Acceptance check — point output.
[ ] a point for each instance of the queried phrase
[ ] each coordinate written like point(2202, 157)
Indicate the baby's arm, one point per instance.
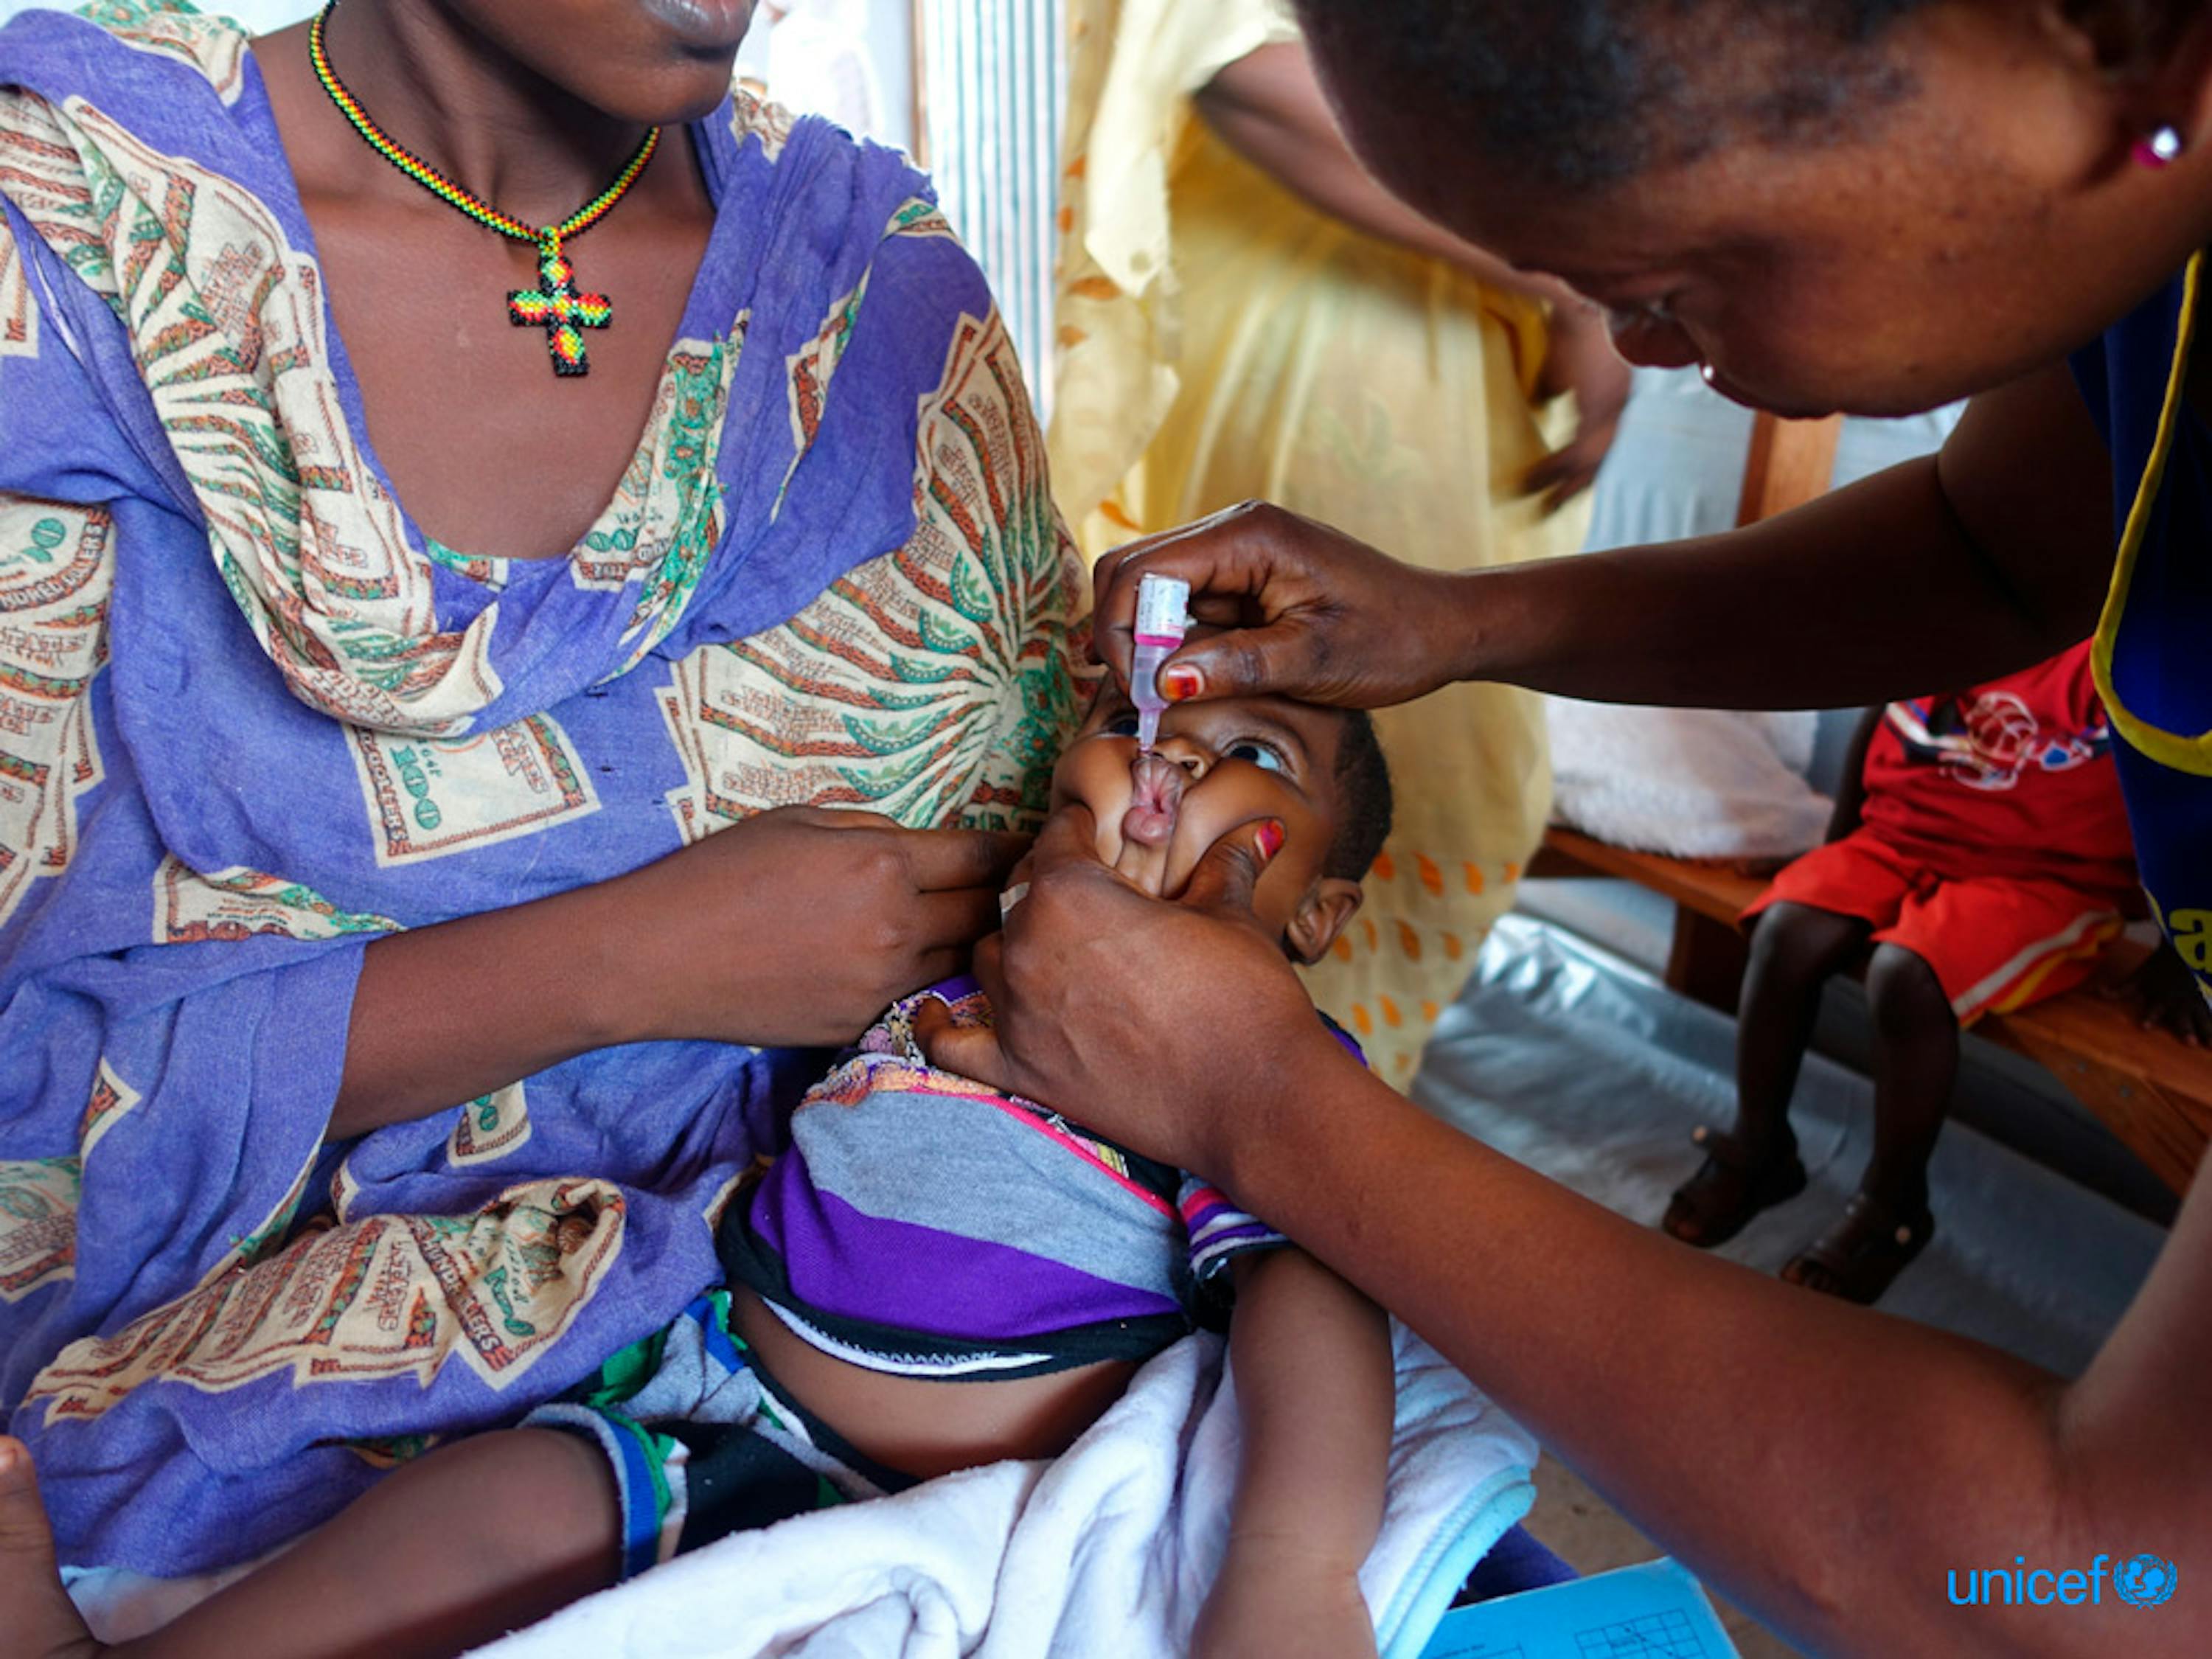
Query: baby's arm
point(474, 1539)
point(1316, 1394)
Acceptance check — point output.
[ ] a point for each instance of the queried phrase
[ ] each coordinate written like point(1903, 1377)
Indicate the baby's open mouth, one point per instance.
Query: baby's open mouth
point(1157, 784)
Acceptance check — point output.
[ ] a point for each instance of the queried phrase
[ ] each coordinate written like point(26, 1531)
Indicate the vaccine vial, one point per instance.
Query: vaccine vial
point(1162, 619)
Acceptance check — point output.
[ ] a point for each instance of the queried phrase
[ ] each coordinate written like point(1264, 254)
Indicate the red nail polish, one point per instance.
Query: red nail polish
point(1270, 840)
point(1179, 684)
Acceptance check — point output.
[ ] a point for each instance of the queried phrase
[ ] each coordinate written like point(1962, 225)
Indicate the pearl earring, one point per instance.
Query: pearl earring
point(2161, 148)
point(1709, 374)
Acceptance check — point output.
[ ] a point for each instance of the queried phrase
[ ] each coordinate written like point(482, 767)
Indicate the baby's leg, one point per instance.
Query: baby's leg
point(476, 1539)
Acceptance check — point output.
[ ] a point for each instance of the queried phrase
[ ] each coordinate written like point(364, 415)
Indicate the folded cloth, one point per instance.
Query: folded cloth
point(1108, 1549)
point(1694, 783)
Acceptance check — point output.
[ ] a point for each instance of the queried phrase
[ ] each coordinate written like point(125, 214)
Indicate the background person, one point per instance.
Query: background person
point(1979, 862)
point(1244, 311)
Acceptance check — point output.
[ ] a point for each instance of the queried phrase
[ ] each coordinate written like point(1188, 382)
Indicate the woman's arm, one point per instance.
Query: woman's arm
point(1826, 1465)
point(1947, 570)
point(1315, 1398)
point(1268, 107)
point(796, 926)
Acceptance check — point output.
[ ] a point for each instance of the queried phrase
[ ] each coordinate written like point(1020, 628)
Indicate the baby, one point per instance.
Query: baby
point(930, 1277)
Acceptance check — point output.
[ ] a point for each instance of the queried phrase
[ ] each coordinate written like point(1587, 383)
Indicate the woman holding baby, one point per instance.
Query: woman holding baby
point(472, 490)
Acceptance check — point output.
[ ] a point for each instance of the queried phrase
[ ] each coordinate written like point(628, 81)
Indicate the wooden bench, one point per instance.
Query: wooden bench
point(2152, 1092)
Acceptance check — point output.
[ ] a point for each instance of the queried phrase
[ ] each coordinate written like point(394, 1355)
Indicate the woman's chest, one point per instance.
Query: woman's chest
point(454, 334)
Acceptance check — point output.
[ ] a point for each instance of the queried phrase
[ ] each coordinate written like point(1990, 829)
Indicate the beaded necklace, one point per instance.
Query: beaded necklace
point(554, 305)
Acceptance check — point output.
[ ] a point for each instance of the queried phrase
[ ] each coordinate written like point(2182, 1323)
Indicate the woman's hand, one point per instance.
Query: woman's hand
point(1167, 1026)
point(800, 925)
point(1582, 361)
point(1310, 612)
point(797, 926)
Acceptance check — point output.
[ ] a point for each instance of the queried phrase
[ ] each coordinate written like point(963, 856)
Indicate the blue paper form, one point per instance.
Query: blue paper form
point(1655, 1611)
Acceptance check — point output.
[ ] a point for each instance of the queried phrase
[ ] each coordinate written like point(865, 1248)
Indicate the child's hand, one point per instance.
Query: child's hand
point(2165, 994)
point(1278, 1605)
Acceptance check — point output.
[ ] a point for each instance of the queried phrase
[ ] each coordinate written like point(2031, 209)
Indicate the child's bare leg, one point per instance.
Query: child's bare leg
point(475, 1539)
point(1794, 950)
point(1916, 1061)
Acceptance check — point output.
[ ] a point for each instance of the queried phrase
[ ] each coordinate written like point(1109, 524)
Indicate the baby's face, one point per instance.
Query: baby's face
point(1218, 765)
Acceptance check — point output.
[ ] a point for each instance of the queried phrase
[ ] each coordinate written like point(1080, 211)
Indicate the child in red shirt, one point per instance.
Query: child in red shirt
point(1979, 860)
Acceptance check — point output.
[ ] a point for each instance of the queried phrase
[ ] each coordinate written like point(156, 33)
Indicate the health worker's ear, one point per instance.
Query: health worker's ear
point(1328, 906)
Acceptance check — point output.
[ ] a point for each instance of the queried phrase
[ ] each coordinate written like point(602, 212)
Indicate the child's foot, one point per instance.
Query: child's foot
point(36, 1612)
point(1735, 1183)
point(1861, 1256)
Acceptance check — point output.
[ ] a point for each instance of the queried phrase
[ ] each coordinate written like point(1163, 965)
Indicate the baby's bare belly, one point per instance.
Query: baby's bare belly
point(928, 1428)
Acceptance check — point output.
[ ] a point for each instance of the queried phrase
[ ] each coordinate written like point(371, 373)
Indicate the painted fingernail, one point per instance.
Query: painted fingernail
point(1269, 841)
point(1180, 684)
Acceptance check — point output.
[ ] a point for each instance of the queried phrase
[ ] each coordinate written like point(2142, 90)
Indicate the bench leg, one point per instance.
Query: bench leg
point(1707, 960)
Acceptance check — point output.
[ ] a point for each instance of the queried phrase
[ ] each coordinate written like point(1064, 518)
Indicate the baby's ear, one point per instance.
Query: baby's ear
point(1330, 903)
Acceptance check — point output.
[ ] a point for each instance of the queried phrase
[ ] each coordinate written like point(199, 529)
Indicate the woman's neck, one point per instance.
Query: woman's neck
point(464, 103)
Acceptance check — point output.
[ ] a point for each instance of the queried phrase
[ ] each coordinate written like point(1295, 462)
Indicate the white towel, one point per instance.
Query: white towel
point(1694, 783)
point(1107, 1551)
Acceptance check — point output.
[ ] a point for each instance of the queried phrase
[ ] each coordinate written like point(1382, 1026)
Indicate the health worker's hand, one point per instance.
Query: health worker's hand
point(1307, 612)
point(802, 925)
point(1167, 1025)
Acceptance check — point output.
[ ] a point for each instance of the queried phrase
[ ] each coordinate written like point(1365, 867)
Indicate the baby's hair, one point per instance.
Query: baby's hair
point(1362, 785)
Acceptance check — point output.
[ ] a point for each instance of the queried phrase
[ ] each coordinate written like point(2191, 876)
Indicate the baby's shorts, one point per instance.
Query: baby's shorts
point(703, 1444)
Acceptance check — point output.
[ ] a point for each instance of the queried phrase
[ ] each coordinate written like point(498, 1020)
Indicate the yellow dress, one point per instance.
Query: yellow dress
point(1220, 339)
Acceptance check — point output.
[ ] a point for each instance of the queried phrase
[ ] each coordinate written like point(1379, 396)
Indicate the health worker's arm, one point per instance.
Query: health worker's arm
point(1947, 570)
point(1825, 1465)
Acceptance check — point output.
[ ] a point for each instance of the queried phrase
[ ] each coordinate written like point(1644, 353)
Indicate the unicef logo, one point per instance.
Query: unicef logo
point(2145, 1582)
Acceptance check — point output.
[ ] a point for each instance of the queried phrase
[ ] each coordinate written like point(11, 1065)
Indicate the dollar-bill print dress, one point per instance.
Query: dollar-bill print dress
point(251, 719)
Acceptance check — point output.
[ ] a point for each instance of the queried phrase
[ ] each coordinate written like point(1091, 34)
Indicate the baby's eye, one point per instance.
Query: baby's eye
point(1264, 756)
point(1121, 725)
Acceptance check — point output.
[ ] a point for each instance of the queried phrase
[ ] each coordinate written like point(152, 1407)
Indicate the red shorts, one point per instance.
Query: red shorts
point(1996, 943)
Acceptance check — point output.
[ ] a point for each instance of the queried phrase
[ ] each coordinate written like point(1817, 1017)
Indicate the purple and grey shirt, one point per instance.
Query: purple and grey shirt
point(923, 1224)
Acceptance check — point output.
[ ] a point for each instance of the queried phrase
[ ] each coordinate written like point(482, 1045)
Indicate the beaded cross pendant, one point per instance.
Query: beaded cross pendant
point(556, 306)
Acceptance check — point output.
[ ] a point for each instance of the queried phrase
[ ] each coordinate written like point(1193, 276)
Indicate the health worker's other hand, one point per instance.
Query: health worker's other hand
point(1160, 1024)
point(801, 926)
point(1306, 611)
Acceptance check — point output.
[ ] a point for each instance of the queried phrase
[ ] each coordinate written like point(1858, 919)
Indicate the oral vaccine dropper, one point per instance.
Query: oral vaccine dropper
point(1162, 619)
